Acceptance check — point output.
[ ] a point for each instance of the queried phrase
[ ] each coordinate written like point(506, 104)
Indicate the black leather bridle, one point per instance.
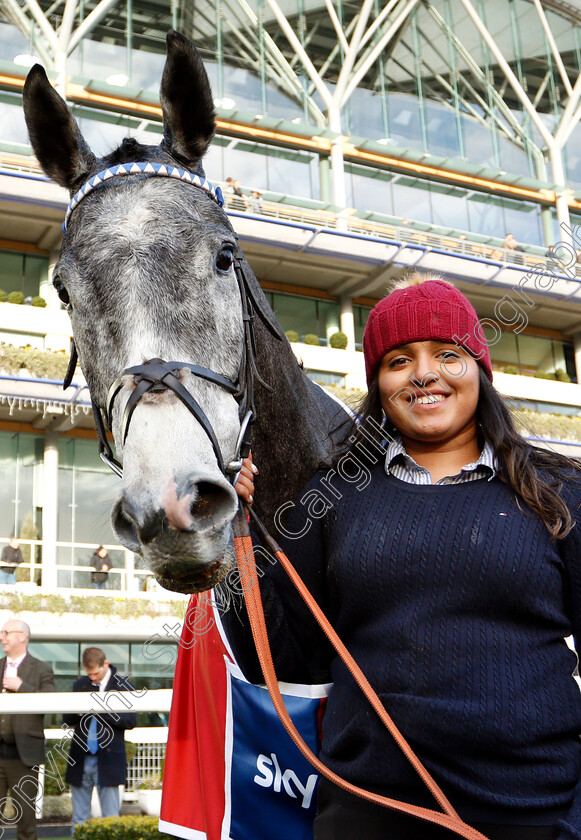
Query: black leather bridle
point(157, 375)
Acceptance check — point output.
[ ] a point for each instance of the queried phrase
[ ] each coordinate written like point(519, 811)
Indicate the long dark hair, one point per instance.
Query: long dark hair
point(535, 475)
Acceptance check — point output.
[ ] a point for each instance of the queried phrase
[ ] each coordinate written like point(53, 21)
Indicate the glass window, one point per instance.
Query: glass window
point(404, 121)
point(12, 43)
point(539, 355)
point(449, 207)
point(86, 491)
point(20, 480)
point(531, 355)
point(360, 316)
point(296, 313)
point(442, 130)
point(486, 216)
point(22, 272)
point(12, 124)
point(411, 198)
point(478, 143)
point(247, 163)
point(371, 189)
point(366, 114)
point(323, 377)
point(504, 353)
point(306, 315)
point(292, 173)
point(63, 657)
point(523, 221)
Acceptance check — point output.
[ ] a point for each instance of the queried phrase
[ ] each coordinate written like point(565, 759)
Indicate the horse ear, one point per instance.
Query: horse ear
point(186, 101)
point(55, 136)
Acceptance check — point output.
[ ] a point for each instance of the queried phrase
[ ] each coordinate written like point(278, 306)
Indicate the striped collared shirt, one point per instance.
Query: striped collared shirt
point(401, 465)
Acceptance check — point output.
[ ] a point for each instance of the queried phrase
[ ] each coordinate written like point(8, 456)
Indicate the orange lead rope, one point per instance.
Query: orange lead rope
point(249, 579)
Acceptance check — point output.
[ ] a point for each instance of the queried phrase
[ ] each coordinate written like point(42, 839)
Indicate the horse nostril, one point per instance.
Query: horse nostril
point(213, 506)
point(124, 525)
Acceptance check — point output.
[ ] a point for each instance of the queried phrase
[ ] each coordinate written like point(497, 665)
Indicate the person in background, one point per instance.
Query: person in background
point(21, 735)
point(101, 562)
point(11, 557)
point(255, 201)
point(511, 244)
point(97, 754)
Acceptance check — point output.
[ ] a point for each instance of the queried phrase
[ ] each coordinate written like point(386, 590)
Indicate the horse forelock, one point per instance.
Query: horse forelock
point(131, 149)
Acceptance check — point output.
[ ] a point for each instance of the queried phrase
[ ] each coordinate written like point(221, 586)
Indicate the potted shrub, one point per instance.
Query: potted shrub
point(562, 375)
point(16, 297)
point(311, 338)
point(37, 300)
point(3, 296)
point(511, 369)
point(338, 340)
point(292, 335)
point(149, 796)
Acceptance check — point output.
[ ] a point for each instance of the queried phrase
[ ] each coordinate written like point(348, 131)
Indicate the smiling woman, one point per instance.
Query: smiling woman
point(452, 573)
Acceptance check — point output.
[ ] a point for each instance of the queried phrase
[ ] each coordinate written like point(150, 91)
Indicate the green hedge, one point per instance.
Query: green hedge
point(41, 363)
point(120, 828)
point(338, 341)
point(119, 605)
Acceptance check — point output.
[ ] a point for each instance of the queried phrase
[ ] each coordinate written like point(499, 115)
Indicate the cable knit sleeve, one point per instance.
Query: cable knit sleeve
point(570, 551)
point(300, 651)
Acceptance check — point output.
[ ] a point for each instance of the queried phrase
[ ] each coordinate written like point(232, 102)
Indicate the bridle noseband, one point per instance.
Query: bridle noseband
point(156, 375)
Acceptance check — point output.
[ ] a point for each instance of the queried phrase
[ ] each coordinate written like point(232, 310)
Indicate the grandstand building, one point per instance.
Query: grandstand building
point(378, 136)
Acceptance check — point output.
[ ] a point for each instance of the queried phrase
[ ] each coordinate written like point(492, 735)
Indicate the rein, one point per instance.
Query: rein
point(448, 817)
point(157, 375)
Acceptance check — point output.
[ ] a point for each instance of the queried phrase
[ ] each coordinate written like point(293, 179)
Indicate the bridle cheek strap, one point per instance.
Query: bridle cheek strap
point(250, 587)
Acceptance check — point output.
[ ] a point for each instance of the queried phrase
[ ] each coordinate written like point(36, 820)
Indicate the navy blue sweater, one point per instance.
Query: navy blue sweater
point(455, 604)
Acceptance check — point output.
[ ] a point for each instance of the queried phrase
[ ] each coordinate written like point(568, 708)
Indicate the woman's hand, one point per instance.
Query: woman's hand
point(245, 482)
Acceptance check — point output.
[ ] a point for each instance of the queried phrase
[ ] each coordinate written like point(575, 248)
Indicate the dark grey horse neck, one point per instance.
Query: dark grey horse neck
point(294, 432)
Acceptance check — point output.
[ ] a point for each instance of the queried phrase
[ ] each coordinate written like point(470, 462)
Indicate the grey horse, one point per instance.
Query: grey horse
point(146, 273)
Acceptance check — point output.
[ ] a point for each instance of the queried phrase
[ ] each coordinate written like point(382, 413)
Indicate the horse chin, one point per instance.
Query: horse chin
point(190, 564)
point(194, 582)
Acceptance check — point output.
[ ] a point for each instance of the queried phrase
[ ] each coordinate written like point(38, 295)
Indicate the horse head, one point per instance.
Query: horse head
point(147, 273)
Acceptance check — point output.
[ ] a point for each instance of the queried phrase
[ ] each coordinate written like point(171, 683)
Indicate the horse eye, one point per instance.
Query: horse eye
point(61, 290)
point(225, 259)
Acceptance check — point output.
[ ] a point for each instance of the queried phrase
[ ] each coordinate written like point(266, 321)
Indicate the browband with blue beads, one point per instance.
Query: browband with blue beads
point(142, 168)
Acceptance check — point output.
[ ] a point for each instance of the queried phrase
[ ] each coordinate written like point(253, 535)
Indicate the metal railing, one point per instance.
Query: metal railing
point(123, 575)
point(146, 764)
point(470, 245)
point(461, 244)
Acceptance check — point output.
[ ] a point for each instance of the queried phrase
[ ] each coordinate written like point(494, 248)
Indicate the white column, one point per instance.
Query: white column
point(337, 161)
point(577, 346)
point(50, 509)
point(562, 202)
point(60, 65)
point(348, 321)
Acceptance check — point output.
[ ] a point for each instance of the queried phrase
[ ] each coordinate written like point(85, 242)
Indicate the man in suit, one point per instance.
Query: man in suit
point(98, 745)
point(21, 736)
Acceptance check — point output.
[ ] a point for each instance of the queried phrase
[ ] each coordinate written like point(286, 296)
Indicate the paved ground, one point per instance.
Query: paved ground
point(62, 831)
point(55, 832)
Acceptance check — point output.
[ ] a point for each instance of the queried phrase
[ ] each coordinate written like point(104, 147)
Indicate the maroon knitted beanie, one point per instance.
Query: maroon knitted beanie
point(432, 310)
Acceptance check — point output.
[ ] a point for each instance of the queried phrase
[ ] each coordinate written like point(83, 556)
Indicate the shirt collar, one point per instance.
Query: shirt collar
point(105, 680)
point(16, 662)
point(396, 449)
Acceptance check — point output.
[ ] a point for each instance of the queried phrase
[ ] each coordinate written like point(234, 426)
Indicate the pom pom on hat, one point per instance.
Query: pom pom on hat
point(423, 308)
